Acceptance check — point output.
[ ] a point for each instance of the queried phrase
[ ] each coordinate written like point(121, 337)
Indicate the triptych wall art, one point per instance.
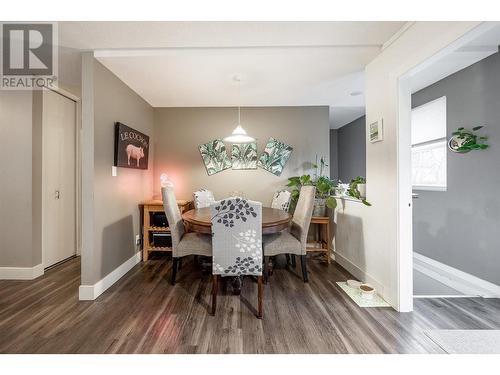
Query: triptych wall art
point(244, 156)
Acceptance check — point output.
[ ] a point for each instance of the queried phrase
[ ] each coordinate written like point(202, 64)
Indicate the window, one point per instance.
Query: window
point(428, 139)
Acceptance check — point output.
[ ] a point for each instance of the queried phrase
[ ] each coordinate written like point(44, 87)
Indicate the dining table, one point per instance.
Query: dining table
point(273, 220)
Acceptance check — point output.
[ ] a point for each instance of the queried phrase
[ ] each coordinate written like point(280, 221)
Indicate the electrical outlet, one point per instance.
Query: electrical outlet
point(137, 239)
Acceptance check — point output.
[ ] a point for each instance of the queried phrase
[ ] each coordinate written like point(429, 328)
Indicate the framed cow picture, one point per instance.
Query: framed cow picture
point(131, 147)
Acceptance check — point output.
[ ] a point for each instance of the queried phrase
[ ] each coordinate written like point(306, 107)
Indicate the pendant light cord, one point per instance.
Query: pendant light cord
point(239, 101)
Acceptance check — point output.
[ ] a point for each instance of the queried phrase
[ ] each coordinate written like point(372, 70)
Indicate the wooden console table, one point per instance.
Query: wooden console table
point(323, 241)
point(146, 209)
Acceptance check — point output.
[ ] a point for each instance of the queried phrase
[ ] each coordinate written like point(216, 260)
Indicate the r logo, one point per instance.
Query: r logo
point(27, 49)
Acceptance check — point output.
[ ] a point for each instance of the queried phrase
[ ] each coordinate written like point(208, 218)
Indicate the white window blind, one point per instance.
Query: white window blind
point(428, 122)
point(428, 130)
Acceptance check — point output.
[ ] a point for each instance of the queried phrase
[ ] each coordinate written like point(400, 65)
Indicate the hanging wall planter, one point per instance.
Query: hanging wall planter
point(464, 140)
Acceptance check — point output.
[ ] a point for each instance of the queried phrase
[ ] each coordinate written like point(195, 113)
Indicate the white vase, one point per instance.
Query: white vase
point(362, 190)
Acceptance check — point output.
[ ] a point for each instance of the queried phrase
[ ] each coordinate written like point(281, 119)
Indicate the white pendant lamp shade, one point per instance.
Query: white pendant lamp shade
point(239, 135)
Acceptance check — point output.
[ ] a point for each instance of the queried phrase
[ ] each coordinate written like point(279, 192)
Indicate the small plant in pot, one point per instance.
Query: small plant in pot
point(465, 140)
point(357, 189)
point(325, 190)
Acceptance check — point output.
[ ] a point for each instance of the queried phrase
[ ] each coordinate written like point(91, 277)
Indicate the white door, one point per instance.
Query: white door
point(59, 185)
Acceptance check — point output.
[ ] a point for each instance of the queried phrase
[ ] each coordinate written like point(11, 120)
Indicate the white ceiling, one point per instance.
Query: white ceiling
point(191, 64)
point(284, 76)
point(340, 116)
point(118, 35)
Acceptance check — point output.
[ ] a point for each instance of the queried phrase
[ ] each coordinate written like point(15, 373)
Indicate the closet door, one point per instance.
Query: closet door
point(59, 178)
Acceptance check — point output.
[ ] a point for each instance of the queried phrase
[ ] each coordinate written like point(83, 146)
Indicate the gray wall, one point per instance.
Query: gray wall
point(16, 202)
point(334, 154)
point(460, 227)
point(179, 131)
point(116, 199)
point(352, 150)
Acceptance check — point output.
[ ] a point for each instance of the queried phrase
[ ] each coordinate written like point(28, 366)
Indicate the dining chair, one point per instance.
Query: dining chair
point(203, 198)
point(281, 200)
point(294, 240)
point(237, 243)
point(183, 243)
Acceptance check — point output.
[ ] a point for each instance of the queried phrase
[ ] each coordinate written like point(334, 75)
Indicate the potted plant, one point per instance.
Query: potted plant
point(325, 190)
point(357, 189)
point(465, 140)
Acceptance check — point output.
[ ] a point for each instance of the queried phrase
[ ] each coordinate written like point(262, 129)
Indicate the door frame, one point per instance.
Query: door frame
point(78, 179)
point(404, 189)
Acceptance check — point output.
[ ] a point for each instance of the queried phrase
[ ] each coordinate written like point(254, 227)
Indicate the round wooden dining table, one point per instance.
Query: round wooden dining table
point(273, 220)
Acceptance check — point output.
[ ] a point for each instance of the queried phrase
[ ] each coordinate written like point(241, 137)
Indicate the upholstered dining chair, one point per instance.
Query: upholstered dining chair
point(281, 200)
point(293, 241)
point(203, 198)
point(183, 243)
point(237, 242)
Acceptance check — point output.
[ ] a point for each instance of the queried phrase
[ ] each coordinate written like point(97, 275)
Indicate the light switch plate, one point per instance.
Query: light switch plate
point(114, 171)
point(137, 239)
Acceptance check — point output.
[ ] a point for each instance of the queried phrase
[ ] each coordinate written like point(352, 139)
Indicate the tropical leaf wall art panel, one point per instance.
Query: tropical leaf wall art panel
point(214, 156)
point(275, 156)
point(244, 155)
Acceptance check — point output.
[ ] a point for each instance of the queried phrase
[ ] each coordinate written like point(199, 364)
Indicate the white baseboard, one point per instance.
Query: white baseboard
point(21, 273)
point(91, 292)
point(423, 296)
point(359, 273)
point(463, 282)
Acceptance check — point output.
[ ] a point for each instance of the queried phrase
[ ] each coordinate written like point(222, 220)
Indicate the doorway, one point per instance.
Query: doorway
point(59, 177)
point(448, 260)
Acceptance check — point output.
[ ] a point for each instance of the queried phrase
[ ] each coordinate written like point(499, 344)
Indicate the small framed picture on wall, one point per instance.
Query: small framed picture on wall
point(377, 131)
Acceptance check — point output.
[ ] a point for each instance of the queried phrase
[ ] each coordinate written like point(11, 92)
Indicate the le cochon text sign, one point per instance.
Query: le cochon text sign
point(131, 147)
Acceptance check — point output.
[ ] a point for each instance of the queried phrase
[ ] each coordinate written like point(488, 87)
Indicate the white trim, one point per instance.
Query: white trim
point(443, 296)
point(358, 273)
point(63, 92)
point(404, 234)
point(21, 273)
point(91, 292)
point(463, 282)
point(429, 188)
point(397, 34)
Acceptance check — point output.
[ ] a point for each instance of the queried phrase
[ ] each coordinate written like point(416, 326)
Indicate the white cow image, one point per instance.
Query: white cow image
point(134, 152)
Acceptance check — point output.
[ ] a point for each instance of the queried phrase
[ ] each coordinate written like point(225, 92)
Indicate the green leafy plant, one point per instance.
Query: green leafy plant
point(354, 192)
point(465, 140)
point(325, 187)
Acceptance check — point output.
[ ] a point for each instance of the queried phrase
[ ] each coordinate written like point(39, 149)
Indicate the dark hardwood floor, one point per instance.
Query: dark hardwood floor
point(143, 313)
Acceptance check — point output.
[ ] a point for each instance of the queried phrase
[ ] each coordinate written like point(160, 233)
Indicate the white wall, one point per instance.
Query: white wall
point(377, 241)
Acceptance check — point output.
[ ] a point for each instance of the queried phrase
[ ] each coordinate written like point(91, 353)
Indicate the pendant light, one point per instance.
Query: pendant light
point(239, 135)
